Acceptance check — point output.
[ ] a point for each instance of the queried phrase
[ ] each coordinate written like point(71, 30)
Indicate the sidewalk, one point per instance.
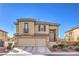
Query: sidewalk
point(63, 54)
point(53, 54)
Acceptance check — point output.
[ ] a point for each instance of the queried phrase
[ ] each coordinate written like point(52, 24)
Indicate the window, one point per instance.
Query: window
point(38, 27)
point(25, 27)
point(42, 28)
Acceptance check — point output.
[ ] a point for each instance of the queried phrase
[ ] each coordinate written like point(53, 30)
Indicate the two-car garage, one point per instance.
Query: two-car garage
point(31, 42)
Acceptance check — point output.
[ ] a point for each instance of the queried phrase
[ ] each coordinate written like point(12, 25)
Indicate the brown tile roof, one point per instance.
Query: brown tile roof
point(48, 23)
point(26, 19)
point(76, 27)
point(36, 21)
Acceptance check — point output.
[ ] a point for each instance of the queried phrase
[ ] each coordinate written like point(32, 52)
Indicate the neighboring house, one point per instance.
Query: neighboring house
point(72, 34)
point(3, 37)
point(31, 32)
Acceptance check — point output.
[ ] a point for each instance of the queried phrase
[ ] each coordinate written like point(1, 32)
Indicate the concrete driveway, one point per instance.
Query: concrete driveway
point(44, 51)
point(28, 51)
point(37, 50)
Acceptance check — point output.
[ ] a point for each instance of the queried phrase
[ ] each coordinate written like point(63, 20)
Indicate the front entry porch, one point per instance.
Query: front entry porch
point(52, 36)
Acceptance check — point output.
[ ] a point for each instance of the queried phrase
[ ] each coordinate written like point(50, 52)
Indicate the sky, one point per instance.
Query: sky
point(67, 15)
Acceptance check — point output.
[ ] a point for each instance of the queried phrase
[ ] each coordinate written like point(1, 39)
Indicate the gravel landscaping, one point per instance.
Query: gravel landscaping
point(65, 47)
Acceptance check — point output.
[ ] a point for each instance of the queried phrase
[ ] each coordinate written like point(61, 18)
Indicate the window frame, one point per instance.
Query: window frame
point(25, 28)
point(40, 28)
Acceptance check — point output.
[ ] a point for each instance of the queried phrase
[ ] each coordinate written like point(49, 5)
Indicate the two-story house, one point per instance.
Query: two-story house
point(31, 32)
point(72, 34)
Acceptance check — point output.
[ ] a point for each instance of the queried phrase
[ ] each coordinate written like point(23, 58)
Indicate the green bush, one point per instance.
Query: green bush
point(60, 46)
point(9, 46)
point(65, 46)
point(55, 46)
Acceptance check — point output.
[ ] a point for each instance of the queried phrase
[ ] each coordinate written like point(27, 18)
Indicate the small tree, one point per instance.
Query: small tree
point(9, 46)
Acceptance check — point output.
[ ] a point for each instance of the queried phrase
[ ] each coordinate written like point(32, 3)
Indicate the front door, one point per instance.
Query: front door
point(52, 35)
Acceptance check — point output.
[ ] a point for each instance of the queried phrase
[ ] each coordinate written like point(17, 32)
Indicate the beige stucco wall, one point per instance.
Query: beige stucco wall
point(3, 36)
point(75, 34)
point(53, 27)
point(33, 29)
point(57, 30)
point(66, 36)
point(41, 32)
point(20, 28)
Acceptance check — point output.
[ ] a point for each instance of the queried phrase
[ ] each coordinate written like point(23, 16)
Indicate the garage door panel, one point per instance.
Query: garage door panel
point(26, 42)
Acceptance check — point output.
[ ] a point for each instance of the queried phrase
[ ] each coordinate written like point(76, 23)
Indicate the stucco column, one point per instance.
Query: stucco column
point(57, 33)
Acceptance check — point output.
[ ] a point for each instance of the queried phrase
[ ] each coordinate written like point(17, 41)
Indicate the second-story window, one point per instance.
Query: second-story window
point(42, 28)
point(26, 28)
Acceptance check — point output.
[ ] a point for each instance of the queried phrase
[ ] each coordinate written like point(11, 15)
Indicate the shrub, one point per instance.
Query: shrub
point(65, 46)
point(9, 46)
point(55, 46)
point(60, 46)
